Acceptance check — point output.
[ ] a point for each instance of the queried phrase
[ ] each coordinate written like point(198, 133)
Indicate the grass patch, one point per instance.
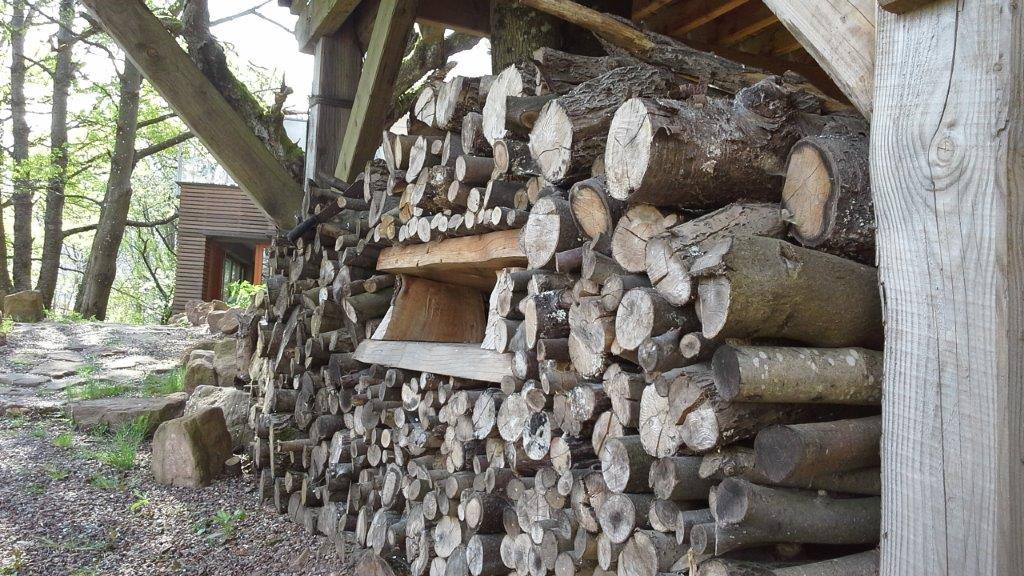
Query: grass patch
point(163, 384)
point(57, 473)
point(122, 446)
point(94, 389)
point(103, 482)
point(13, 565)
point(64, 440)
point(65, 317)
point(39, 431)
point(36, 489)
point(6, 325)
point(140, 502)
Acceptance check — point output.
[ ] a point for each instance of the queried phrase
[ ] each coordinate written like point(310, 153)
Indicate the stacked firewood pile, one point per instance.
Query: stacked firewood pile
point(694, 344)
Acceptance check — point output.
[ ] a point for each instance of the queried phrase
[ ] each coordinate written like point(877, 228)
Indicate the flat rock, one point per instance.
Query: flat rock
point(57, 368)
point(65, 356)
point(23, 380)
point(120, 410)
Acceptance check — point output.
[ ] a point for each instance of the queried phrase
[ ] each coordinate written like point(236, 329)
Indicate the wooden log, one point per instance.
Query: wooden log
point(626, 465)
point(473, 139)
point(644, 312)
point(516, 80)
point(678, 478)
point(366, 306)
point(649, 553)
point(695, 347)
point(670, 255)
point(658, 150)
point(456, 98)
point(571, 130)
point(750, 515)
point(629, 240)
point(800, 451)
point(620, 514)
point(753, 287)
point(549, 231)
point(661, 353)
point(451, 148)
point(595, 212)
point(512, 157)
point(828, 195)
point(521, 113)
point(802, 375)
point(473, 170)
point(559, 72)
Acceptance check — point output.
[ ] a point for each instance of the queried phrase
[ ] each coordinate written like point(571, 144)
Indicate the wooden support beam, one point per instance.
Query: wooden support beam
point(840, 35)
point(470, 260)
point(471, 17)
point(692, 21)
point(947, 172)
point(901, 6)
point(373, 97)
point(198, 103)
point(321, 18)
point(336, 65)
point(459, 360)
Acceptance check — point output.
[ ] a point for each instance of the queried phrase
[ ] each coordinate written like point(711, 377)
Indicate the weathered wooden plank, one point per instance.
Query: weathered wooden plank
point(198, 103)
point(947, 163)
point(470, 260)
point(459, 360)
point(840, 35)
point(373, 96)
point(336, 65)
point(471, 17)
point(424, 310)
point(901, 6)
point(321, 18)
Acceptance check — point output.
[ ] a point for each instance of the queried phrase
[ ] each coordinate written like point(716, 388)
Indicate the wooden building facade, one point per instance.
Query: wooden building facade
point(222, 236)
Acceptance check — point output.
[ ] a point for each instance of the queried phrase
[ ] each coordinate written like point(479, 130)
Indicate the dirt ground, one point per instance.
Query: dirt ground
point(64, 510)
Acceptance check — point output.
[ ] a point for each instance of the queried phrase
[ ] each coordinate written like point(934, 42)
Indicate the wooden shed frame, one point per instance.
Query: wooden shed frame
point(942, 82)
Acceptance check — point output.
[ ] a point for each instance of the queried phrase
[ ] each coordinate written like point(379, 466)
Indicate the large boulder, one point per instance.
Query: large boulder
point(199, 372)
point(24, 306)
point(233, 403)
point(225, 361)
point(120, 410)
point(190, 451)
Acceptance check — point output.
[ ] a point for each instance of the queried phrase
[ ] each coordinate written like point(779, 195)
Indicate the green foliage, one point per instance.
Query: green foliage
point(222, 526)
point(121, 448)
point(241, 293)
point(93, 389)
point(163, 384)
point(64, 440)
point(13, 565)
point(38, 431)
point(6, 325)
point(66, 316)
point(36, 488)
point(140, 502)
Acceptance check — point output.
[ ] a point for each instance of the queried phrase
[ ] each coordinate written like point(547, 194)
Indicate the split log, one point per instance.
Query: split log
point(595, 212)
point(473, 139)
point(513, 157)
point(802, 375)
point(516, 80)
point(455, 99)
point(753, 287)
point(828, 195)
point(638, 225)
point(550, 230)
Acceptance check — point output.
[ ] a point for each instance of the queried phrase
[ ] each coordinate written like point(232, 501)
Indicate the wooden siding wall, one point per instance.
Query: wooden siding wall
point(211, 210)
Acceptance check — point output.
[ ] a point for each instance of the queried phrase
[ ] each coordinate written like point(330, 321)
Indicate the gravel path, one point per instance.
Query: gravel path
point(63, 513)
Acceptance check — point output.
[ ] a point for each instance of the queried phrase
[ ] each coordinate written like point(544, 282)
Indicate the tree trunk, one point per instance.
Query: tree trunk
point(516, 31)
point(21, 196)
point(101, 269)
point(53, 220)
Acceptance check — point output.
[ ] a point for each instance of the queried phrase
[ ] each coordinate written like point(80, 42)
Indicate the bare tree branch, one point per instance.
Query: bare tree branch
point(161, 146)
point(157, 119)
point(130, 224)
point(239, 14)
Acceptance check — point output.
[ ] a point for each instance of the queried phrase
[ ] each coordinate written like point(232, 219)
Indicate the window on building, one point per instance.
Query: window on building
point(233, 272)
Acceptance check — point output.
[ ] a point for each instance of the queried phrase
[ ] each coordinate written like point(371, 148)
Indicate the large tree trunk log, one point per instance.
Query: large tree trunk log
point(803, 375)
point(752, 287)
point(706, 154)
point(571, 131)
point(828, 195)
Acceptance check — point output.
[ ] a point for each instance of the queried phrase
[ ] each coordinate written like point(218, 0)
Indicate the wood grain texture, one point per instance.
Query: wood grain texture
point(948, 180)
point(459, 360)
point(840, 35)
point(321, 18)
point(470, 260)
point(198, 103)
point(380, 68)
point(337, 62)
point(427, 311)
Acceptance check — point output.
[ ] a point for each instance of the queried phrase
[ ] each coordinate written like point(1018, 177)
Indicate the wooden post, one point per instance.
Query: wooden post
point(948, 180)
point(198, 103)
point(337, 61)
point(380, 68)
